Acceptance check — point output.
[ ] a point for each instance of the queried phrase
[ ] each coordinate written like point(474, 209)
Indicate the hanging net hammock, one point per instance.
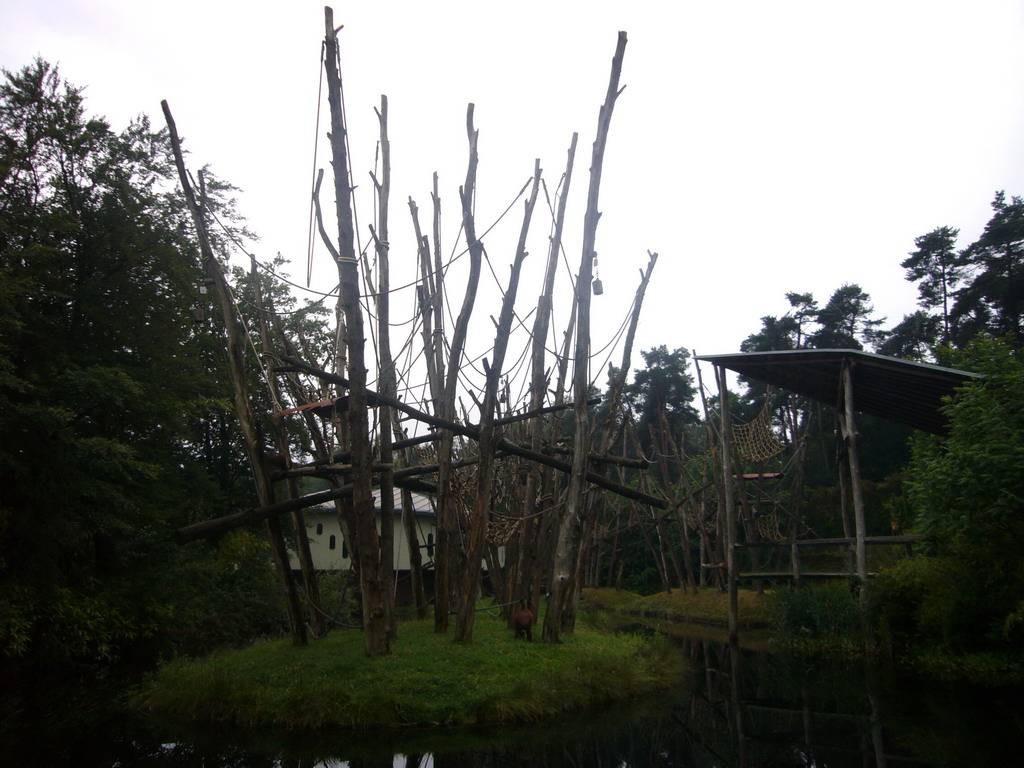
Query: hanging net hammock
point(756, 441)
point(768, 526)
point(701, 514)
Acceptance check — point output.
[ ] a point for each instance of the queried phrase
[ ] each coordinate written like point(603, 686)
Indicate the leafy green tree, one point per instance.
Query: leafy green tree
point(967, 490)
point(845, 321)
point(664, 386)
point(937, 269)
point(777, 333)
point(805, 310)
point(912, 338)
point(992, 301)
point(105, 385)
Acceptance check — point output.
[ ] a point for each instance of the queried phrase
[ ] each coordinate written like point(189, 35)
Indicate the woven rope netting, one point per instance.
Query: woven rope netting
point(768, 526)
point(702, 513)
point(756, 441)
point(501, 526)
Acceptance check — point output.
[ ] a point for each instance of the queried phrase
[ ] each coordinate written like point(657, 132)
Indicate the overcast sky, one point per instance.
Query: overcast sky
point(758, 147)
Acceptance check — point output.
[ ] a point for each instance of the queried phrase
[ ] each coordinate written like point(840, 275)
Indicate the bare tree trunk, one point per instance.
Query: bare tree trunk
point(387, 378)
point(656, 552)
point(615, 555)
point(447, 513)
point(529, 531)
point(561, 576)
point(684, 528)
point(438, 293)
point(309, 579)
point(321, 450)
point(426, 297)
point(485, 472)
point(712, 546)
point(668, 552)
point(375, 614)
point(419, 594)
point(552, 493)
point(339, 426)
point(608, 430)
point(240, 392)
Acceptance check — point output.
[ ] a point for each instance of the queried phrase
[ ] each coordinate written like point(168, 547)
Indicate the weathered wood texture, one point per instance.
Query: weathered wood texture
point(563, 561)
point(376, 628)
point(489, 438)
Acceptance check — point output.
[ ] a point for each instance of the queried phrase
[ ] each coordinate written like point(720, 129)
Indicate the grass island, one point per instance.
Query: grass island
point(426, 680)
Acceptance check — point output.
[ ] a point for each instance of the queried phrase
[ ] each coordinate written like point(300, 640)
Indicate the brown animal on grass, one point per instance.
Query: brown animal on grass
point(522, 622)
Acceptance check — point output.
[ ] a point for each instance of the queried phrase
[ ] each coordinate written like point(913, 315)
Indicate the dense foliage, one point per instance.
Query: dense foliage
point(967, 490)
point(113, 427)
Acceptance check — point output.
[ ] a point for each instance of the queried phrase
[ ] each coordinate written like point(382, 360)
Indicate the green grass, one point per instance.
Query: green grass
point(707, 606)
point(427, 680)
point(983, 667)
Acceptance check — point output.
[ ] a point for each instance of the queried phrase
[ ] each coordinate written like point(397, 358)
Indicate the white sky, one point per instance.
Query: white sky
point(759, 147)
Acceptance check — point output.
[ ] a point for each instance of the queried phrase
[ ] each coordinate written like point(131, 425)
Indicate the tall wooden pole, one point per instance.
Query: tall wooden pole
point(387, 377)
point(239, 388)
point(853, 457)
point(480, 516)
point(562, 570)
point(730, 504)
point(530, 536)
point(447, 522)
point(305, 557)
point(608, 431)
point(375, 621)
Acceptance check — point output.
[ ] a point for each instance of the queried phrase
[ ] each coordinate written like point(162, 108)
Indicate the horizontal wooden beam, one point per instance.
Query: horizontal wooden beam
point(474, 434)
point(404, 478)
point(322, 470)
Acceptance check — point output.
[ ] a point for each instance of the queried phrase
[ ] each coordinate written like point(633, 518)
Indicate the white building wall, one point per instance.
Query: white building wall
point(330, 550)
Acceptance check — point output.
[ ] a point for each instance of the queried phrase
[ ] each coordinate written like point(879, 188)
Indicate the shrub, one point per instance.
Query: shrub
point(827, 612)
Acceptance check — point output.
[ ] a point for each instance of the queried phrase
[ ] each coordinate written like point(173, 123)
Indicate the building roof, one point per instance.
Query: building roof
point(900, 390)
point(421, 503)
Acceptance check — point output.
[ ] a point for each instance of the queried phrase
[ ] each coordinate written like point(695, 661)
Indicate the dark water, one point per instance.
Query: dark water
point(736, 708)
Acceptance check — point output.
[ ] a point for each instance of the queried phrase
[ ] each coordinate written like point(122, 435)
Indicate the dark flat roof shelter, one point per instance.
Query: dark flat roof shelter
point(901, 390)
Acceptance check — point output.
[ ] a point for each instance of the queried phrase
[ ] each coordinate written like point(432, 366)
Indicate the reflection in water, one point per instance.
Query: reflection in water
point(736, 708)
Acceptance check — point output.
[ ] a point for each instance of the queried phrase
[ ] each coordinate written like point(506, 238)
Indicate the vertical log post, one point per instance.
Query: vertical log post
point(375, 620)
point(608, 431)
point(730, 504)
point(684, 528)
point(563, 561)
point(387, 377)
point(240, 392)
point(794, 558)
point(853, 458)
point(447, 530)
point(529, 531)
point(488, 443)
point(309, 577)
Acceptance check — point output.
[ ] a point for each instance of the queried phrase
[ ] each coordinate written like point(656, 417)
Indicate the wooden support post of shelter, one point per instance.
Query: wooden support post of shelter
point(849, 436)
point(730, 505)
